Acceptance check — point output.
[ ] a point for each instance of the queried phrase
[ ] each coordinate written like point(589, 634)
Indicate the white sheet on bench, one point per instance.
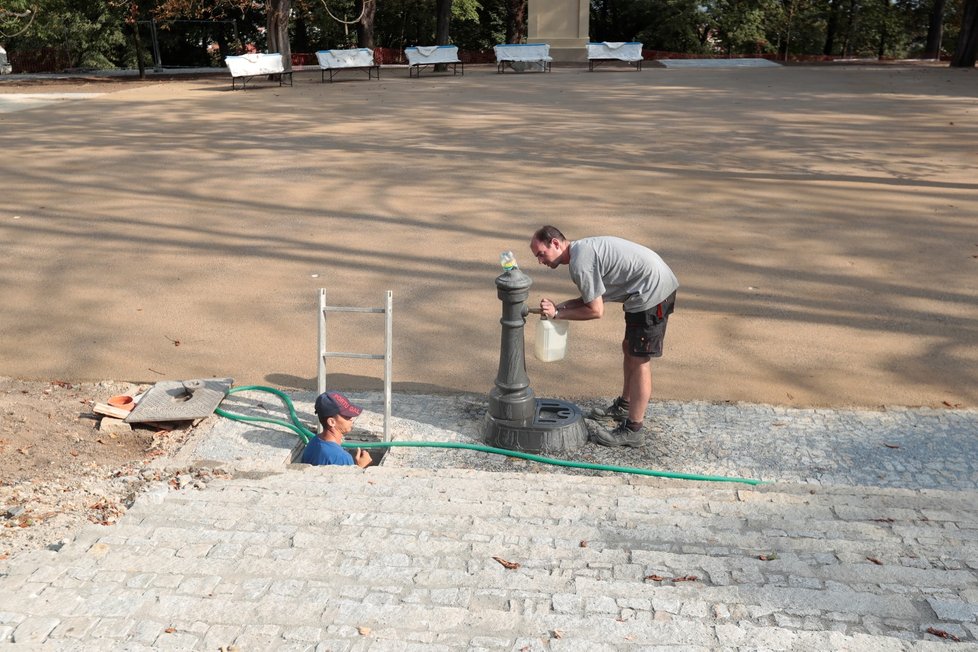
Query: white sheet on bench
point(252, 65)
point(522, 52)
point(426, 55)
point(354, 58)
point(622, 51)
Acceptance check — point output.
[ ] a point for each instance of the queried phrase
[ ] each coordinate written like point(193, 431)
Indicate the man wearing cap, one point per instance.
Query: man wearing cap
point(607, 269)
point(336, 414)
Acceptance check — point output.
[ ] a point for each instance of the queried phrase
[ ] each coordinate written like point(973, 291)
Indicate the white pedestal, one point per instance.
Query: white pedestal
point(564, 24)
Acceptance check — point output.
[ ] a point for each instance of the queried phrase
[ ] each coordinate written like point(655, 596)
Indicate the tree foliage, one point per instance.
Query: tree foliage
point(105, 33)
point(16, 17)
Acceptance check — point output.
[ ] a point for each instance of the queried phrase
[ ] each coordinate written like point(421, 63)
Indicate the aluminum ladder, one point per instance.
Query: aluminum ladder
point(387, 311)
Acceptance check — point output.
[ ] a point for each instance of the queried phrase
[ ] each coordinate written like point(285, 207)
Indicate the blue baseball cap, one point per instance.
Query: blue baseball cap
point(329, 404)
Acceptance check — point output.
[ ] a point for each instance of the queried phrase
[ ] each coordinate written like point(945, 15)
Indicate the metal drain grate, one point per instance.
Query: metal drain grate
point(176, 400)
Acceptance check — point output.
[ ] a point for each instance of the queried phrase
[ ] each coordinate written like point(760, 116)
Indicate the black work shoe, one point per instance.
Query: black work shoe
point(617, 411)
point(620, 435)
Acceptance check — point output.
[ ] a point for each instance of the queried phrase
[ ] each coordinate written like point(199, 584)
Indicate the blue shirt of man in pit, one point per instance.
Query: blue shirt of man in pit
point(336, 414)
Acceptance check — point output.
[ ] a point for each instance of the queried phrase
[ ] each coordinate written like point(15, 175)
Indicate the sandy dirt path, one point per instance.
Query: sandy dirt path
point(821, 221)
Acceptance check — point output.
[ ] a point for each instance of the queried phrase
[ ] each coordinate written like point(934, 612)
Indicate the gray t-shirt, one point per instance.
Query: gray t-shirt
point(620, 271)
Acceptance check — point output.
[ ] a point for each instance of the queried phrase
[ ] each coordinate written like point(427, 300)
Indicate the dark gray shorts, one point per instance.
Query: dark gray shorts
point(645, 331)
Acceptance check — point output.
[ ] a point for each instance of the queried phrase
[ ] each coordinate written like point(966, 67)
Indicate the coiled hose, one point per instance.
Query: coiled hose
point(295, 425)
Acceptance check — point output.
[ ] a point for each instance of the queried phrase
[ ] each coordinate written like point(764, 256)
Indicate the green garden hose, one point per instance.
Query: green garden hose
point(305, 435)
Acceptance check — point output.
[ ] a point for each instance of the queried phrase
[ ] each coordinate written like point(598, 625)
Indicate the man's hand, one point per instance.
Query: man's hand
point(362, 458)
point(548, 308)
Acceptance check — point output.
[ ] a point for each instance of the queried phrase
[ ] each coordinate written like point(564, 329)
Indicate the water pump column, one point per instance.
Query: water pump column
point(512, 399)
point(516, 419)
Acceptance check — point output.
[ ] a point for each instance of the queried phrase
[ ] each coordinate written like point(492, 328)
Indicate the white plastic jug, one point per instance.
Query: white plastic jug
point(551, 340)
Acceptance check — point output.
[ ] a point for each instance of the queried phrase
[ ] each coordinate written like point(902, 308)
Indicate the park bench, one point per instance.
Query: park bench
point(604, 52)
point(428, 56)
point(523, 56)
point(249, 66)
point(333, 61)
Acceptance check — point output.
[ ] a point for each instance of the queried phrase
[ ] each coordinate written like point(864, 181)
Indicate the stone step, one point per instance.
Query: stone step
point(460, 559)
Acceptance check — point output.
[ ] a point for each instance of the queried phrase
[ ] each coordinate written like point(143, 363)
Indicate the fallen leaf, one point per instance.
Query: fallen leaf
point(770, 557)
point(583, 544)
point(654, 578)
point(170, 630)
point(62, 383)
point(685, 578)
point(940, 633)
point(73, 453)
point(891, 445)
point(875, 561)
point(951, 405)
point(363, 631)
point(507, 564)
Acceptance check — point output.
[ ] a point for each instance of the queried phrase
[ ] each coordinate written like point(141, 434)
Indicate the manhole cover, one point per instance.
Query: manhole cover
point(181, 400)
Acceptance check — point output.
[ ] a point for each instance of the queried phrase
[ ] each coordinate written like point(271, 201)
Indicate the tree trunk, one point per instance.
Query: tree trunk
point(831, 27)
point(787, 30)
point(935, 32)
point(850, 27)
point(301, 33)
point(137, 44)
point(443, 22)
point(443, 26)
point(881, 49)
point(515, 21)
point(365, 28)
point(277, 24)
point(222, 45)
point(967, 48)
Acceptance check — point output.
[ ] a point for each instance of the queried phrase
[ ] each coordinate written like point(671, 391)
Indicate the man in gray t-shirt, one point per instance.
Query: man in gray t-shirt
point(610, 269)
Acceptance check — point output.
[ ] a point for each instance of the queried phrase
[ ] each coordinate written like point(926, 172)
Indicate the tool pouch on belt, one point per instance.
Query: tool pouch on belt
point(663, 310)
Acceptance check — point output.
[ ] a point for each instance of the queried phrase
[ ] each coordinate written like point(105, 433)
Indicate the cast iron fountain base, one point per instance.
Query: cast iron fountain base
point(557, 426)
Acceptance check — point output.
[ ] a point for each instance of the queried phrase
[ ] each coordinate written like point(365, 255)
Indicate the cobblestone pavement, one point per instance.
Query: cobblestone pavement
point(867, 541)
point(893, 447)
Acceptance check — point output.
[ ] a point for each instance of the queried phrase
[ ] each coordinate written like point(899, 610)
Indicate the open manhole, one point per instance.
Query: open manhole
point(376, 454)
